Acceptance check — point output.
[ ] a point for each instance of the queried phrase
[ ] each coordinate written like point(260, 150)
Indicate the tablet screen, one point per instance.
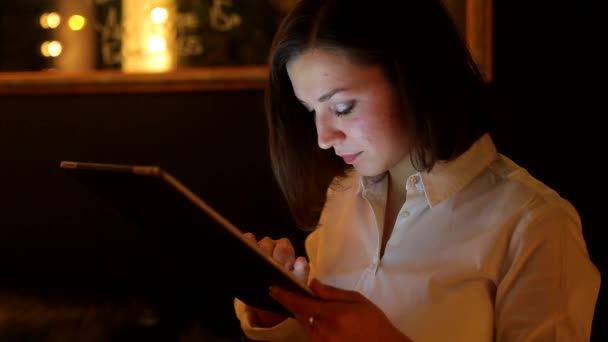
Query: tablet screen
point(195, 246)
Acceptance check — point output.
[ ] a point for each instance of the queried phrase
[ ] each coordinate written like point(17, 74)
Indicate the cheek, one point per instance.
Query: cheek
point(378, 130)
point(395, 122)
point(388, 136)
point(371, 134)
point(363, 131)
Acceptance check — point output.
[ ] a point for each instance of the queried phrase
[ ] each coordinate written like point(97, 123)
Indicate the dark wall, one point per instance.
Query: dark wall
point(215, 142)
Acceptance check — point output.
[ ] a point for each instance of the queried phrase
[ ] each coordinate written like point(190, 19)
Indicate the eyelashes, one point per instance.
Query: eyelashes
point(344, 108)
point(339, 109)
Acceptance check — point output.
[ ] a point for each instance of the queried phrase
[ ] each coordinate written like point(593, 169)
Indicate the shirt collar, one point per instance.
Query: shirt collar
point(447, 178)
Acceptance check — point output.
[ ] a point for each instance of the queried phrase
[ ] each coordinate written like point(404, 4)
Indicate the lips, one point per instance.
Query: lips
point(350, 158)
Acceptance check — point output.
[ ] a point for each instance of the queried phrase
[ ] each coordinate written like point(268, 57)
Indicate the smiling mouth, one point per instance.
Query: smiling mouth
point(350, 158)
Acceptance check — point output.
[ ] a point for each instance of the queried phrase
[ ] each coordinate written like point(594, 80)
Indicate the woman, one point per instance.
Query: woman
point(421, 230)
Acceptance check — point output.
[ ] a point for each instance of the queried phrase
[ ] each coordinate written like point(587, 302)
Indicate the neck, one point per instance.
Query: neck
point(399, 174)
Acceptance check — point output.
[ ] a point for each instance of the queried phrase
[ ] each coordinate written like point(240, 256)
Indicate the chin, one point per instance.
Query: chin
point(369, 172)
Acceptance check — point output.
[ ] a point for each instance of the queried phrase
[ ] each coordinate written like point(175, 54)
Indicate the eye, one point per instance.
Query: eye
point(344, 108)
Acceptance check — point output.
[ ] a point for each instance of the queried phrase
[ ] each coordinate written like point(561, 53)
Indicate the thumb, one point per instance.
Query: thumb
point(333, 293)
point(301, 269)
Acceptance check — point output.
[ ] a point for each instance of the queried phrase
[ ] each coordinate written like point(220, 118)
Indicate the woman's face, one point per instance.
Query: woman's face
point(356, 109)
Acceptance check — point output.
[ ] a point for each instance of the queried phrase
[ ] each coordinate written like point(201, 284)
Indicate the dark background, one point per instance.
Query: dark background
point(546, 67)
point(59, 241)
point(548, 72)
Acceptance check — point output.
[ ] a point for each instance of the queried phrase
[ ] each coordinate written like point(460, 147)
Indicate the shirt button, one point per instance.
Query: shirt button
point(415, 180)
point(405, 213)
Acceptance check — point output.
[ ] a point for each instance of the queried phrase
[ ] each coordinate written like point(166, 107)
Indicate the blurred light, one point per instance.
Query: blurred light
point(51, 48)
point(76, 22)
point(43, 22)
point(50, 20)
point(150, 43)
point(159, 15)
point(157, 44)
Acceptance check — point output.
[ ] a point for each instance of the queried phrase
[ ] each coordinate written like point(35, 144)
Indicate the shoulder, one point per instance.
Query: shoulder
point(507, 202)
point(536, 214)
point(518, 184)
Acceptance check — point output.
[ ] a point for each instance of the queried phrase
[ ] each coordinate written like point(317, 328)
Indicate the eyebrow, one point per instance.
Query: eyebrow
point(329, 94)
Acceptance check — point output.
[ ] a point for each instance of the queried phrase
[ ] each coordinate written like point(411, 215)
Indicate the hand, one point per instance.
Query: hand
point(283, 252)
point(338, 315)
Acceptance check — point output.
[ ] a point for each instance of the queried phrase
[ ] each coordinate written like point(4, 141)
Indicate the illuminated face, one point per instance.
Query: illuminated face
point(356, 109)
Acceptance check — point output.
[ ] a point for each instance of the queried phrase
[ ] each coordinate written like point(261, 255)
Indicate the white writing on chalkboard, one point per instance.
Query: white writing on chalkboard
point(186, 31)
point(187, 37)
point(220, 20)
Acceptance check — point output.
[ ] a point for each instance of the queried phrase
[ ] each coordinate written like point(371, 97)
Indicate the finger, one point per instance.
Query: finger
point(328, 292)
point(284, 253)
point(266, 245)
point(301, 269)
point(250, 237)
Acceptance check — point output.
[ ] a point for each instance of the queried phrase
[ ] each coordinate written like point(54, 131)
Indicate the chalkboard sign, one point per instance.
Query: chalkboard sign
point(197, 32)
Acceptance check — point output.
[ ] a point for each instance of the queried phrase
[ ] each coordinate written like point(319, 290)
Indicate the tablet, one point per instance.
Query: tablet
point(195, 238)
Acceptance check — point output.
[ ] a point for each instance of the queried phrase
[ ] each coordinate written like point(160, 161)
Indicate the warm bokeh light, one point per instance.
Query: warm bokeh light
point(76, 22)
point(157, 44)
point(51, 48)
point(43, 23)
point(159, 15)
point(50, 20)
point(148, 39)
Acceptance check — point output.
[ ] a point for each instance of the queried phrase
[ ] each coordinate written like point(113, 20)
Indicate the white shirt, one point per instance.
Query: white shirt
point(480, 251)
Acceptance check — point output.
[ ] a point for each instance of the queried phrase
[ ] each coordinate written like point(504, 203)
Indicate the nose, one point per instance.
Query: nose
point(328, 135)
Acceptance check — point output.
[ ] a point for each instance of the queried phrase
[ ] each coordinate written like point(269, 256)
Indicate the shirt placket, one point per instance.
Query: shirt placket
point(375, 197)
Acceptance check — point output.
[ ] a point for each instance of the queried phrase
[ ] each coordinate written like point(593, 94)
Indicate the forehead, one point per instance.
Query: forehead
point(317, 70)
point(320, 57)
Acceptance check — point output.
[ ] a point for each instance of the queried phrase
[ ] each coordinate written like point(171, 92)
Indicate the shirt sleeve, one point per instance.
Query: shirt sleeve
point(288, 330)
point(549, 286)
